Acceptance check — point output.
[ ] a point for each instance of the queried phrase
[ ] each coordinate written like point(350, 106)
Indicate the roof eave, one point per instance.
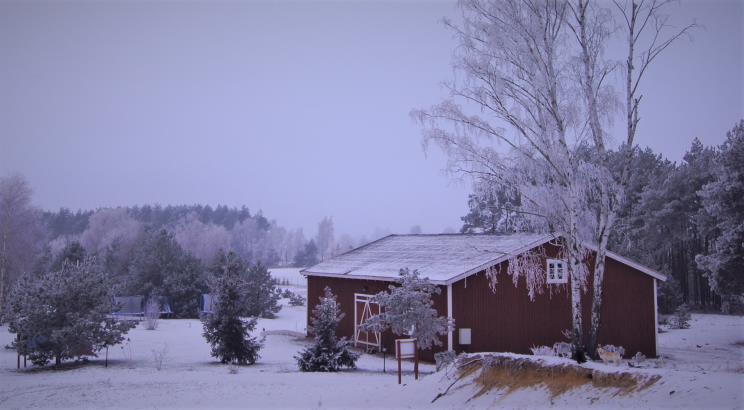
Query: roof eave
point(360, 277)
point(500, 259)
point(635, 265)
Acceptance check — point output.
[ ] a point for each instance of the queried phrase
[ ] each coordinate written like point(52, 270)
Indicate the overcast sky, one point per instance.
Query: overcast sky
point(296, 108)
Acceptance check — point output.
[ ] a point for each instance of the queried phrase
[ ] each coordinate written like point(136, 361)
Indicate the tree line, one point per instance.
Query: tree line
point(150, 248)
point(680, 218)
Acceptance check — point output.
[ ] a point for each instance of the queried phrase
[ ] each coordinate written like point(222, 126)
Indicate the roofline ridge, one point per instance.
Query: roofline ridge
point(467, 234)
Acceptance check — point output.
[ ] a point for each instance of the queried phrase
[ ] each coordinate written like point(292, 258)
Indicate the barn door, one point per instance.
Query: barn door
point(364, 308)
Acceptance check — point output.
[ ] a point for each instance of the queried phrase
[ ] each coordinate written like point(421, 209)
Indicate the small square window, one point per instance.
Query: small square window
point(556, 271)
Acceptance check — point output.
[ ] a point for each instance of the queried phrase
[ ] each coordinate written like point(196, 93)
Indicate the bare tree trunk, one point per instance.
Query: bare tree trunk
point(591, 37)
point(574, 253)
point(3, 271)
point(598, 284)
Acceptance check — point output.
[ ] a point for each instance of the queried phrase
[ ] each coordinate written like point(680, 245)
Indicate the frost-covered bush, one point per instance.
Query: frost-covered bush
point(152, 313)
point(407, 309)
point(296, 300)
point(327, 353)
point(681, 318)
point(286, 293)
point(225, 329)
point(563, 349)
point(542, 351)
point(65, 314)
point(611, 354)
point(443, 359)
point(638, 359)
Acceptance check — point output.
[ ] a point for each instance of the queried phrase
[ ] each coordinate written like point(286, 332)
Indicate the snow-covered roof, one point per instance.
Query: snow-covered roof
point(443, 258)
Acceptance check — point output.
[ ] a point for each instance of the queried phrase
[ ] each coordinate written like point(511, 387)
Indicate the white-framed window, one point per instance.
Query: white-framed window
point(557, 272)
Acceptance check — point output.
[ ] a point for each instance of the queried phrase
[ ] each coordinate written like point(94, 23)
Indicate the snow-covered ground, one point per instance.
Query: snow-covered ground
point(693, 377)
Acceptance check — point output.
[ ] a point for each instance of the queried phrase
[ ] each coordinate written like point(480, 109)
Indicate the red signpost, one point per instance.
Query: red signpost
point(406, 349)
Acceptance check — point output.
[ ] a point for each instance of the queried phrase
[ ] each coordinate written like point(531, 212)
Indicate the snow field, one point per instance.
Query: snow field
point(709, 376)
point(291, 275)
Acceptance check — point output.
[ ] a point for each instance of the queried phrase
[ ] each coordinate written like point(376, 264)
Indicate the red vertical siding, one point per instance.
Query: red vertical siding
point(344, 290)
point(507, 320)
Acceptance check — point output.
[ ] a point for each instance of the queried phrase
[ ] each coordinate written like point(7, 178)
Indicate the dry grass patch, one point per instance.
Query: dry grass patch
point(513, 373)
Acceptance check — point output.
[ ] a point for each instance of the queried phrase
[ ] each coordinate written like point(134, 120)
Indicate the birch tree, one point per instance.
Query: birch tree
point(513, 120)
point(203, 240)
point(20, 232)
point(529, 112)
point(325, 238)
point(648, 33)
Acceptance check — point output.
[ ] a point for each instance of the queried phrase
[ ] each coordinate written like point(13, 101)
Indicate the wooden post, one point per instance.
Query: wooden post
point(415, 357)
point(397, 353)
point(24, 361)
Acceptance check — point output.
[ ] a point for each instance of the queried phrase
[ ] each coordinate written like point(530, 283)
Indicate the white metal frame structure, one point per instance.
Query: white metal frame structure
point(376, 340)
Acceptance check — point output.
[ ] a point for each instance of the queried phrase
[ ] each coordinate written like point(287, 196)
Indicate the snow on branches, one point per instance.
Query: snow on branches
point(65, 314)
point(532, 266)
point(327, 353)
point(407, 309)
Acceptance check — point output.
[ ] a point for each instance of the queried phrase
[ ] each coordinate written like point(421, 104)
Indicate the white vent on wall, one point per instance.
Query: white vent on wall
point(464, 336)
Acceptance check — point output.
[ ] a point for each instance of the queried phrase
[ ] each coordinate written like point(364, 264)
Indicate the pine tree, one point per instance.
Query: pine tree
point(160, 266)
point(72, 253)
point(407, 309)
point(493, 209)
point(327, 353)
point(307, 256)
point(261, 295)
point(65, 314)
point(225, 330)
point(721, 219)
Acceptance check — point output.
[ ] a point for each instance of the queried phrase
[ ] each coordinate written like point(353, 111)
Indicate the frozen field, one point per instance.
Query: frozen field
point(701, 368)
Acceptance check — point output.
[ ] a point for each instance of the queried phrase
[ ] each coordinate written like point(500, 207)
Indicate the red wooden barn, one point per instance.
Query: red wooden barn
point(504, 319)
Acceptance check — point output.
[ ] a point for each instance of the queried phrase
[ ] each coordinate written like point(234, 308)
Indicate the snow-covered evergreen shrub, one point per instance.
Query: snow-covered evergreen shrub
point(65, 314)
point(407, 309)
point(224, 329)
point(327, 353)
point(152, 313)
point(286, 293)
point(296, 300)
point(681, 317)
